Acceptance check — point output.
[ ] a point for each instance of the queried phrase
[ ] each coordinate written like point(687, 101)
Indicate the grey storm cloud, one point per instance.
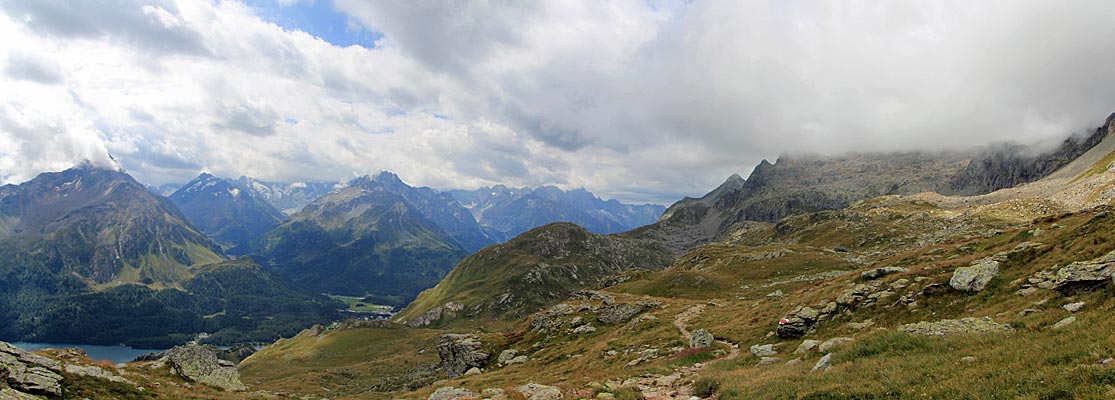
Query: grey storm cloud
point(635, 99)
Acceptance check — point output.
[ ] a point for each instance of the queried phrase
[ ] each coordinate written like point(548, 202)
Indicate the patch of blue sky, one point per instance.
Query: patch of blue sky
point(318, 18)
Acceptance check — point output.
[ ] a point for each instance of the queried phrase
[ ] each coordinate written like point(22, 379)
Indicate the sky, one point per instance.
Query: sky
point(640, 100)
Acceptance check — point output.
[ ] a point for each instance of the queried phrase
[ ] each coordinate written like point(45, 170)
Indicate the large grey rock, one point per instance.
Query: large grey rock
point(459, 353)
point(975, 277)
point(700, 338)
point(534, 391)
point(955, 327)
point(199, 364)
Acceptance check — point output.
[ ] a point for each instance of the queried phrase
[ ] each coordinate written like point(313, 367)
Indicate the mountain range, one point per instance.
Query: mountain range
point(507, 212)
point(226, 213)
point(852, 276)
point(91, 256)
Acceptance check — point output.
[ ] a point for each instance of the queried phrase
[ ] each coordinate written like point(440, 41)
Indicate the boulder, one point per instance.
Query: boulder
point(1073, 307)
point(518, 360)
point(700, 338)
point(452, 393)
point(473, 371)
point(619, 313)
point(833, 343)
point(955, 327)
point(822, 364)
point(877, 273)
point(506, 355)
point(534, 391)
point(459, 353)
point(806, 346)
point(800, 322)
point(763, 350)
point(199, 364)
point(1064, 322)
point(975, 277)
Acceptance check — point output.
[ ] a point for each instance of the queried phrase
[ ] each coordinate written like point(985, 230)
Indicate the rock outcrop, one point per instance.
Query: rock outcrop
point(199, 364)
point(460, 353)
point(955, 327)
point(26, 374)
point(800, 322)
point(446, 311)
point(1081, 276)
point(975, 277)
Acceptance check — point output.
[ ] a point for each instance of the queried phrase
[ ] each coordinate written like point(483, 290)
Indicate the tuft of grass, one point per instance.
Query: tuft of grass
point(692, 356)
point(706, 387)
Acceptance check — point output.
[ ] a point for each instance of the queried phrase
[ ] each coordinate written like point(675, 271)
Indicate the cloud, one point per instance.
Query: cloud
point(33, 68)
point(150, 25)
point(644, 101)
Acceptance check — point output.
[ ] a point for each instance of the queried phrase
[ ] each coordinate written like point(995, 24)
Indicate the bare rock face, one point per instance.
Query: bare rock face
point(199, 364)
point(27, 374)
point(460, 353)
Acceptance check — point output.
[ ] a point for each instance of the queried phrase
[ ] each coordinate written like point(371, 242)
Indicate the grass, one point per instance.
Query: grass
point(692, 356)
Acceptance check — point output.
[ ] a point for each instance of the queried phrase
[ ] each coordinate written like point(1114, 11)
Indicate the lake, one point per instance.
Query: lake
point(116, 354)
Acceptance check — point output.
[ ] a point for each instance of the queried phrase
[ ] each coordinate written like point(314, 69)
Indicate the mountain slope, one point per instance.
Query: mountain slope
point(103, 226)
point(362, 240)
point(507, 212)
point(440, 208)
point(1008, 165)
point(224, 212)
point(534, 270)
